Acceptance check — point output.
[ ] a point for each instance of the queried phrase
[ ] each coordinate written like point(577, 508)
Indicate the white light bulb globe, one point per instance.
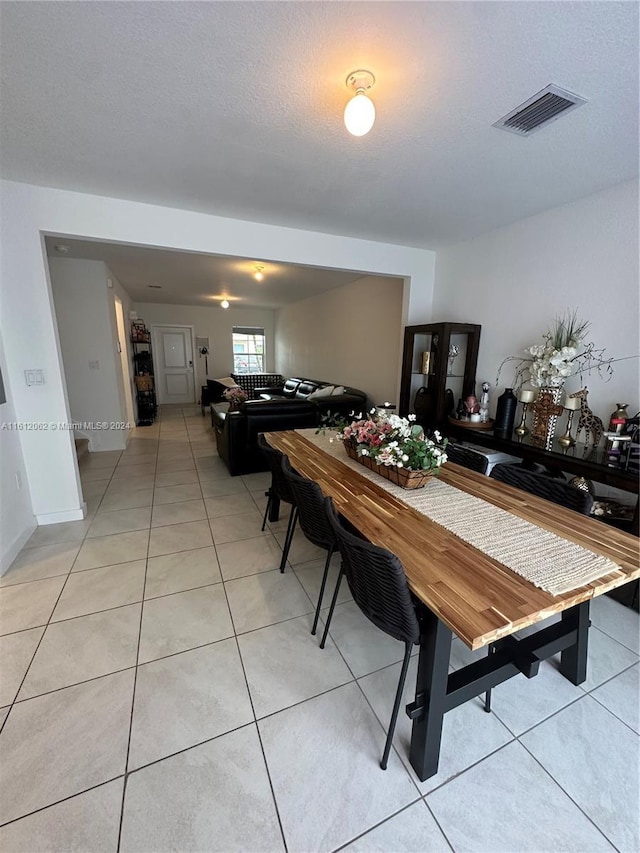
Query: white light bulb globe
point(224, 303)
point(359, 115)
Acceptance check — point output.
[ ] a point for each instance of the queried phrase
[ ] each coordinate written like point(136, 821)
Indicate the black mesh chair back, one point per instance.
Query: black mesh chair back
point(379, 587)
point(279, 482)
point(468, 458)
point(549, 488)
point(279, 490)
point(377, 583)
point(313, 522)
point(310, 502)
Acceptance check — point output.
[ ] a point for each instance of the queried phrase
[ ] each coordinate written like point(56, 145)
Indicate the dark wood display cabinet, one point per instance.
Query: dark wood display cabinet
point(438, 368)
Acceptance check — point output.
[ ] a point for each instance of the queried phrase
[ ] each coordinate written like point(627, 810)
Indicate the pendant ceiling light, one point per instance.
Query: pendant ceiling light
point(224, 303)
point(258, 272)
point(360, 113)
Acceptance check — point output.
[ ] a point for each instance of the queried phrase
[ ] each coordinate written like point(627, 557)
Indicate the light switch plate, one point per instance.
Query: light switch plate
point(34, 377)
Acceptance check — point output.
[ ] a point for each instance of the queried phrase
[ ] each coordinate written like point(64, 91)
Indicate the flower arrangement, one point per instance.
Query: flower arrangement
point(396, 442)
point(563, 353)
point(235, 396)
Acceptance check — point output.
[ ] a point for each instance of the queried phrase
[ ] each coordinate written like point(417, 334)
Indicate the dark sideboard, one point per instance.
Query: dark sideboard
point(580, 460)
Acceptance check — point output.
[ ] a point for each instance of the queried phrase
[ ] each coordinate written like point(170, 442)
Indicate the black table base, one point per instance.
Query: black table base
point(437, 691)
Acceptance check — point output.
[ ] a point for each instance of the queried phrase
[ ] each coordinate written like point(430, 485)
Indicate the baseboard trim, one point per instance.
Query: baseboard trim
point(8, 556)
point(60, 517)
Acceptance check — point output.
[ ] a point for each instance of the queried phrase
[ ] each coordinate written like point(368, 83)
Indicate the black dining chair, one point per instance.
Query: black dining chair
point(279, 490)
point(379, 587)
point(313, 522)
point(550, 488)
point(467, 457)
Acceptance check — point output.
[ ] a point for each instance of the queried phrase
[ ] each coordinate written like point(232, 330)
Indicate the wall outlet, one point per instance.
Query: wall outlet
point(94, 365)
point(18, 480)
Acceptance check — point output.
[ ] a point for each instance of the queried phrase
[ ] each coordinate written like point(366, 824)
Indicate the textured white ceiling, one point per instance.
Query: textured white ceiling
point(189, 278)
point(235, 108)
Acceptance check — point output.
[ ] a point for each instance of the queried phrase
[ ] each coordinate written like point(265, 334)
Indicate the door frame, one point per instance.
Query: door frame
point(156, 350)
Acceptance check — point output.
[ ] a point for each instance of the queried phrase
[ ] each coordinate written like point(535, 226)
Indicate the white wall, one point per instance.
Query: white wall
point(87, 331)
point(515, 280)
point(216, 324)
point(27, 212)
point(351, 335)
point(17, 521)
point(126, 385)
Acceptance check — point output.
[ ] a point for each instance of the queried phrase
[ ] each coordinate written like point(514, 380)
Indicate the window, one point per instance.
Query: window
point(248, 350)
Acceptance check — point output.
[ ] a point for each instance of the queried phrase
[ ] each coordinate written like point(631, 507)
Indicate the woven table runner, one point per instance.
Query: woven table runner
point(541, 557)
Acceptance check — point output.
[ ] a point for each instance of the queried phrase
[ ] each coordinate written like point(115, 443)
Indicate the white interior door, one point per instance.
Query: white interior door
point(173, 364)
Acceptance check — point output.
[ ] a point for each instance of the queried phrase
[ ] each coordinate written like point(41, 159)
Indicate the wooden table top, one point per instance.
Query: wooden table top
point(478, 598)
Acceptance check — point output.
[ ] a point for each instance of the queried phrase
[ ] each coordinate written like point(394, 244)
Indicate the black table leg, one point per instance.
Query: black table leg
point(573, 661)
point(274, 508)
point(427, 712)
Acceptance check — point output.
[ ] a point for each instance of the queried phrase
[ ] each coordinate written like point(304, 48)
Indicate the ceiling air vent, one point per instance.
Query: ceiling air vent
point(539, 110)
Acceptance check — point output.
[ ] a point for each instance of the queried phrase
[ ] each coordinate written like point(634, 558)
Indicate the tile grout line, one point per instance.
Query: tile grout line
point(135, 674)
point(566, 793)
point(53, 609)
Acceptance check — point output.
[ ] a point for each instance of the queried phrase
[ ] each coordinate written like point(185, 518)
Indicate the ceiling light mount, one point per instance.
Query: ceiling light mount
point(360, 112)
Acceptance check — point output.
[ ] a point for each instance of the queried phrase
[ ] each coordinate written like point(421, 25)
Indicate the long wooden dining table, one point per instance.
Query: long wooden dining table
point(465, 592)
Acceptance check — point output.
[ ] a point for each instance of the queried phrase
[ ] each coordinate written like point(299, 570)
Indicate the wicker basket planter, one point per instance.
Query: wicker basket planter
point(144, 382)
point(400, 476)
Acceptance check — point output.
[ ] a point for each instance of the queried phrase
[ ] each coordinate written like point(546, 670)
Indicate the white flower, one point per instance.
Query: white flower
point(405, 458)
point(411, 418)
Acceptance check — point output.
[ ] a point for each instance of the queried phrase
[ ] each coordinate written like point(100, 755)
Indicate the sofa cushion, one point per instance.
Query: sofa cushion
point(306, 387)
point(290, 387)
point(325, 391)
point(216, 389)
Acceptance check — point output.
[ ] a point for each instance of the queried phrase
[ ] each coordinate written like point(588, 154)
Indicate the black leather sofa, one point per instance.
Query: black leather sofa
point(280, 408)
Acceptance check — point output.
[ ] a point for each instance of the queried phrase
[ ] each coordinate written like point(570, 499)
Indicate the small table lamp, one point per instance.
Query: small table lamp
point(525, 397)
point(571, 404)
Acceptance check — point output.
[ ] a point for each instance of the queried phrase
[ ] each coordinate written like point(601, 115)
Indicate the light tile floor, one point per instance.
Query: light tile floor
point(160, 690)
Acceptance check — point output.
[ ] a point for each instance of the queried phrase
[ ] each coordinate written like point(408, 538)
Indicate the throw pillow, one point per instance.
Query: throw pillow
point(339, 389)
point(228, 382)
point(321, 392)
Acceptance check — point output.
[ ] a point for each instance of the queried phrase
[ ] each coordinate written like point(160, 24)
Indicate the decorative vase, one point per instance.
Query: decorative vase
point(583, 484)
point(402, 477)
point(505, 414)
point(619, 418)
point(546, 410)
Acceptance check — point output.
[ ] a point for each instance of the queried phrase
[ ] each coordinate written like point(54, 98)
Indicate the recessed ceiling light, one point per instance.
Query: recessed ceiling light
point(224, 303)
point(64, 250)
